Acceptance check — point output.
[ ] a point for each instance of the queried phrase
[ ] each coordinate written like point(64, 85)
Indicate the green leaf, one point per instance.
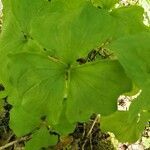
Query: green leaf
point(53, 26)
point(11, 38)
point(39, 46)
point(133, 53)
point(22, 122)
point(127, 126)
point(10, 42)
point(64, 126)
point(135, 50)
point(126, 25)
point(26, 11)
point(142, 102)
point(39, 83)
point(41, 88)
point(41, 139)
point(72, 35)
point(89, 89)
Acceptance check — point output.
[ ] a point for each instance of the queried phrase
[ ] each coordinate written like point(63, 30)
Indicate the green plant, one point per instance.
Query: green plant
point(52, 77)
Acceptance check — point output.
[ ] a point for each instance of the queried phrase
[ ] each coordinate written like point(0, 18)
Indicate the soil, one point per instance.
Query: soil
point(88, 136)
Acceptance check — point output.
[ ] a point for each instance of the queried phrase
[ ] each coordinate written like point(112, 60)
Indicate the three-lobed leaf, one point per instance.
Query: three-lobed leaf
point(40, 43)
point(42, 88)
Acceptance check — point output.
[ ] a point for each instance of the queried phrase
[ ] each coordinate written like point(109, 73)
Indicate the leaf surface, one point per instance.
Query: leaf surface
point(127, 126)
point(41, 88)
point(41, 139)
point(39, 45)
point(39, 83)
point(89, 89)
point(135, 50)
point(66, 34)
point(125, 24)
point(133, 53)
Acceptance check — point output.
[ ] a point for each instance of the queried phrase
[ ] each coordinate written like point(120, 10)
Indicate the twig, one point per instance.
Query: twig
point(94, 122)
point(9, 138)
point(15, 142)
point(88, 134)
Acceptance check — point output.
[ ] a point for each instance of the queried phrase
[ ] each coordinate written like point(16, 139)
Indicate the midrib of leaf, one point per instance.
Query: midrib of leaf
point(56, 60)
point(67, 82)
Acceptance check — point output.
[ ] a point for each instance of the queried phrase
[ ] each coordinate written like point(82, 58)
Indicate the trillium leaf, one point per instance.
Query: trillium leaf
point(39, 45)
point(133, 50)
point(22, 122)
point(41, 87)
point(127, 126)
point(26, 11)
point(129, 51)
point(142, 102)
point(64, 126)
point(89, 89)
point(73, 33)
point(41, 139)
point(13, 37)
point(126, 25)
